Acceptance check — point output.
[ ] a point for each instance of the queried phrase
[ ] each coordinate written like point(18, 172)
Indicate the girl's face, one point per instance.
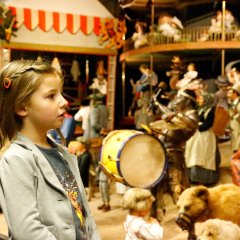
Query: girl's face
point(47, 106)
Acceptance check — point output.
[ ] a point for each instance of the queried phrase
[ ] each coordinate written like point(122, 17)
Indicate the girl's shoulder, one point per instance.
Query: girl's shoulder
point(14, 149)
point(17, 158)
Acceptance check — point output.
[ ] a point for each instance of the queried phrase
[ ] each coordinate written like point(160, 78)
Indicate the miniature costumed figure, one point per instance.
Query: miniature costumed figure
point(232, 72)
point(98, 119)
point(222, 108)
point(175, 73)
point(229, 20)
point(49, 199)
point(138, 36)
point(98, 115)
point(220, 97)
point(99, 85)
point(147, 81)
point(83, 116)
point(170, 27)
point(215, 29)
point(104, 188)
point(190, 75)
point(234, 110)
point(201, 153)
point(139, 224)
point(181, 111)
point(179, 122)
point(233, 76)
point(84, 148)
point(84, 159)
point(216, 23)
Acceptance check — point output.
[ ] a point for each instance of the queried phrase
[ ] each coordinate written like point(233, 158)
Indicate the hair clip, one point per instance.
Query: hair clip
point(7, 82)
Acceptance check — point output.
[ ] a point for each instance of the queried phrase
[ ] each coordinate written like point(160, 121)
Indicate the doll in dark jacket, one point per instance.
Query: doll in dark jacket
point(84, 159)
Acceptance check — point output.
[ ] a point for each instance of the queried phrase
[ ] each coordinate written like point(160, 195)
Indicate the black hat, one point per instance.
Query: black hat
point(97, 96)
point(84, 141)
point(222, 81)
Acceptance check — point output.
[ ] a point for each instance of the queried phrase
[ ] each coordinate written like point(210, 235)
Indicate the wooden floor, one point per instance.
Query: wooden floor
point(110, 224)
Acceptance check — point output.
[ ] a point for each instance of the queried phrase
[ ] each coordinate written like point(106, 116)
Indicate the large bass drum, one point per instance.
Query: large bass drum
point(134, 158)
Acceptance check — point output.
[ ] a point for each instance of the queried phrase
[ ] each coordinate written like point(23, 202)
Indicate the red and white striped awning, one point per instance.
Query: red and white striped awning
point(47, 20)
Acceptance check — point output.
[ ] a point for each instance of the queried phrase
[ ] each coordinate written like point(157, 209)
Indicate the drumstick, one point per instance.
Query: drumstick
point(161, 86)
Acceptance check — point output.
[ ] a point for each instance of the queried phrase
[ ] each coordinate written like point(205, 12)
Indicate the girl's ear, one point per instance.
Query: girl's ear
point(22, 111)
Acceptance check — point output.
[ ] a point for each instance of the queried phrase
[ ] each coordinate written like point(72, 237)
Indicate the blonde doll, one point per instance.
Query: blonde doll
point(139, 224)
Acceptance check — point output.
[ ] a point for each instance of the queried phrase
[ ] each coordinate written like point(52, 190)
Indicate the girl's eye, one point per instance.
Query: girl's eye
point(51, 96)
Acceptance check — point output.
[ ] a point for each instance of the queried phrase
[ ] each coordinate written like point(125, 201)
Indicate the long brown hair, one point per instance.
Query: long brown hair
point(18, 81)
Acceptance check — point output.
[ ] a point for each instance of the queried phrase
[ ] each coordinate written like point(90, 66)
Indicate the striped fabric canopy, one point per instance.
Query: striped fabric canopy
point(60, 22)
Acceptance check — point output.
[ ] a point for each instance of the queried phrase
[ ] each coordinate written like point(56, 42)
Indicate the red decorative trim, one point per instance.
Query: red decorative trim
point(97, 26)
point(70, 23)
point(83, 25)
point(42, 20)
point(27, 18)
point(56, 22)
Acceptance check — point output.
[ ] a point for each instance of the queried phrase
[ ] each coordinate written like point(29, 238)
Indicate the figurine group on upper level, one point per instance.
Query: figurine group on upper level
point(170, 29)
point(216, 22)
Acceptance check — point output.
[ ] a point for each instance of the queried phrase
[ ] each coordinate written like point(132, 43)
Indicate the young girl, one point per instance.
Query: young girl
point(41, 193)
point(139, 224)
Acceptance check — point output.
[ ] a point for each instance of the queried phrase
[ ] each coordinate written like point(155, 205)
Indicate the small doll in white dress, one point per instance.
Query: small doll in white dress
point(139, 36)
point(139, 224)
point(188, 77)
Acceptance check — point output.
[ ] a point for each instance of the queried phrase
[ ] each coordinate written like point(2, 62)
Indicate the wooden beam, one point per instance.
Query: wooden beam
point(57, 48)
point(181, 47)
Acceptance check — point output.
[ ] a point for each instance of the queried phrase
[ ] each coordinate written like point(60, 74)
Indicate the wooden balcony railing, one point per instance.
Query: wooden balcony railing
point(187, 35)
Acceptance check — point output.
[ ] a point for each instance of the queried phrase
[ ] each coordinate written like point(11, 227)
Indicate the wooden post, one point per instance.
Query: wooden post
point(123, 88)
point(152, 38)
point(223, 37)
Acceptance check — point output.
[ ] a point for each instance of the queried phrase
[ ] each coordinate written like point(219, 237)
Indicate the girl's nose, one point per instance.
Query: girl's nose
point(64, 102)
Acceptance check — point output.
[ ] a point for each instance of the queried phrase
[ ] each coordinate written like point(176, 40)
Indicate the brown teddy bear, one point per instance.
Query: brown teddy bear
point(200, 203)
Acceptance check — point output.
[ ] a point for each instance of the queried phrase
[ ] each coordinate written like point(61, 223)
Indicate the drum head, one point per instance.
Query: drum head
point(142, 161)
